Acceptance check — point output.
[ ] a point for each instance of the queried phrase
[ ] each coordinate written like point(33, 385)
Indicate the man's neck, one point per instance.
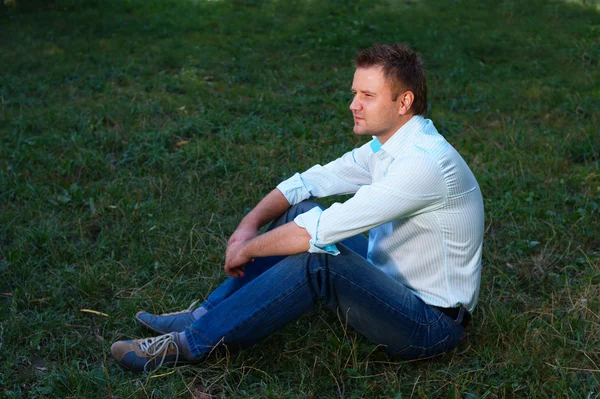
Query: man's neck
point(403, 120)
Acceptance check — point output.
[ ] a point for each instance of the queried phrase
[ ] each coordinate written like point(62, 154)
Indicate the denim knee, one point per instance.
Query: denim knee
point(303, 207)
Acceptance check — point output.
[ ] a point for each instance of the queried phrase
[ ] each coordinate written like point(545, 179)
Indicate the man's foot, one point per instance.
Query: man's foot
point(170, 322)
point(149, 354)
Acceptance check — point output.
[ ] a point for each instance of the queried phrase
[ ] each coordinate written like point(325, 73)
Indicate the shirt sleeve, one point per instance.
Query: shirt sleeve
point(345, 175)
point(415, 185)
point(310, 221)
point(294, 189)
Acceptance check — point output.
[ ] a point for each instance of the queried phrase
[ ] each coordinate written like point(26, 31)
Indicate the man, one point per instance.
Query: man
point(409, 287)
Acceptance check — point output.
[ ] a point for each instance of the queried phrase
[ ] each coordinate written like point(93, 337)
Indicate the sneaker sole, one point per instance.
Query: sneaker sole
point(167, 364)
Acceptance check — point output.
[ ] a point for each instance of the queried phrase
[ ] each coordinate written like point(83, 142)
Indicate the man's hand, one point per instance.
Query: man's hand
point(241, 235)
point(288, 239)
point(273, 205)
point(233, 255)
point(236, 259)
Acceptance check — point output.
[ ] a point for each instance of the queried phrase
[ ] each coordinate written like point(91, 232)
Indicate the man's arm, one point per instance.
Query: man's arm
point(415, 185)
point(345, 175)
point(342, 176)
point(270, 207)
point(288, 239)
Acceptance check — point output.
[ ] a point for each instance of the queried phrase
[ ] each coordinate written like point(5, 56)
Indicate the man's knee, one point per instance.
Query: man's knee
point(304, 207)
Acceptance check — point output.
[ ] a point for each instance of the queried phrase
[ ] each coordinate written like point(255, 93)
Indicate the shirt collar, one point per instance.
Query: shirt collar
point(402, 136)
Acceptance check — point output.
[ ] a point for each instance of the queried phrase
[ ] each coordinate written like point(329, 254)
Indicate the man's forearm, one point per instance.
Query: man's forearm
point(271, 206)
point(289, 239)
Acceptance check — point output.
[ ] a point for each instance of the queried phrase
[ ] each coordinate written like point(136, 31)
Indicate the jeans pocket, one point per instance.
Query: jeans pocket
point(413, 352)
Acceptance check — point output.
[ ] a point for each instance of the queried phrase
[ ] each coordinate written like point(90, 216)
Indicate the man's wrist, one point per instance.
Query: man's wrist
point(249, 222)
point(245, 249)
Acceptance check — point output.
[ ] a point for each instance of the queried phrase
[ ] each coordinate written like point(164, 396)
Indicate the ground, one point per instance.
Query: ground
point(135, 134)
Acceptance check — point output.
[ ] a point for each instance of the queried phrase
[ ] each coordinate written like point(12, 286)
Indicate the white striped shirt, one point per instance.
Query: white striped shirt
point(420, 202)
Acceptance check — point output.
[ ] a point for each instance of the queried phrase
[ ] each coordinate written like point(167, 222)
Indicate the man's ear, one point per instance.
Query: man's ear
point(405, 101)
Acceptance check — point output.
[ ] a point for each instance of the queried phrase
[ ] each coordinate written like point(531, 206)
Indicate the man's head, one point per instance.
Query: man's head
point(389, 88)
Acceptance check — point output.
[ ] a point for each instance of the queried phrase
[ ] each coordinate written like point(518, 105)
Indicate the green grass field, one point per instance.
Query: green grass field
point(134, 135)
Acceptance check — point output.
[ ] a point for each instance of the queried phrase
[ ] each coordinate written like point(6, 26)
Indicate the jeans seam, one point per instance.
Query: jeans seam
point(194, 345)
point(201, 336)
point(207, 305)
point(443, 341)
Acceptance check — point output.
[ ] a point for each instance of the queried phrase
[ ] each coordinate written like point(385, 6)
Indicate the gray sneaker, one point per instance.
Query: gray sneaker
point(149, 354)
point(168, 322)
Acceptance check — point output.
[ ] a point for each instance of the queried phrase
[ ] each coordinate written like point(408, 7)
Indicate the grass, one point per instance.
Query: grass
point(135, 134)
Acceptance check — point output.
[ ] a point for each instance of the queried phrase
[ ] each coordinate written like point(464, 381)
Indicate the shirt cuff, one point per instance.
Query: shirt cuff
point(310, 221)
point(294, 190)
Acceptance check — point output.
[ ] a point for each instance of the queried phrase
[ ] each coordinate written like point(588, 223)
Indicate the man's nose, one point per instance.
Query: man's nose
point(355, 104)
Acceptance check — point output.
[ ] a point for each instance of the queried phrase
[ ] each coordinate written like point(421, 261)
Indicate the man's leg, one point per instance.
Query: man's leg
point(380, 308)
point(177, 321)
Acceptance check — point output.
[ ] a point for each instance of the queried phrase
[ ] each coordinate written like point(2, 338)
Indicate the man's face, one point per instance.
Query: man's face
point(374, 112)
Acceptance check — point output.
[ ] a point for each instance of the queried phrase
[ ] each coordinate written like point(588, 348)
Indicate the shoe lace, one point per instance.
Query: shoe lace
point(191, 308)
point(159, 347)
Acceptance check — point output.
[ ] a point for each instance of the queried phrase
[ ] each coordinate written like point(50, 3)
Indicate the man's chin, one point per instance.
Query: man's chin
point(359, 131)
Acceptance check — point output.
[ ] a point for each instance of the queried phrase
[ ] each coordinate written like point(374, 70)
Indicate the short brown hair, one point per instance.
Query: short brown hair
point(403, 66)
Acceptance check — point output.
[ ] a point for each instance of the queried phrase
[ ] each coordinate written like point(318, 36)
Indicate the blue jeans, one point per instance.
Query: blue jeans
point(277, 290)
